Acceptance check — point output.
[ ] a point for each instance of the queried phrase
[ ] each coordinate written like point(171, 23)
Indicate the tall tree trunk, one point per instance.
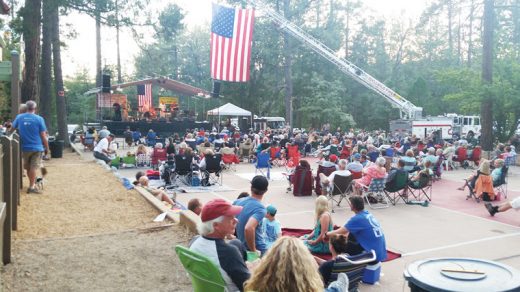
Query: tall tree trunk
point(119, 75)
point(46, 66)
point(486, 108)
point(31, 24)
point(99, 81)
point(287, 66)
point(470, 40)
point(58, 77)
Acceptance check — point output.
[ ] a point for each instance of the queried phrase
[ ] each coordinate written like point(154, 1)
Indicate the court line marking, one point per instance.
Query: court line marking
point(474, 216)
point(460, 244)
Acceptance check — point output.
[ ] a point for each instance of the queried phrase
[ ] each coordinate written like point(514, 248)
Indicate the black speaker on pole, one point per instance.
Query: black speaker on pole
point(215, 89)
point(106, 83)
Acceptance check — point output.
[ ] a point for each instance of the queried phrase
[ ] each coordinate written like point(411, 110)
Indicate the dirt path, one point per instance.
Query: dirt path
point(87, 233)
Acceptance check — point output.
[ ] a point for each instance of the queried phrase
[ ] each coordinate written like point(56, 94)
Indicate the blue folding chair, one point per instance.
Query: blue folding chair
point(262, 162)
point(374, 194)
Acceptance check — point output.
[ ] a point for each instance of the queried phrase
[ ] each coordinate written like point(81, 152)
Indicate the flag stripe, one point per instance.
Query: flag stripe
point(145, 100)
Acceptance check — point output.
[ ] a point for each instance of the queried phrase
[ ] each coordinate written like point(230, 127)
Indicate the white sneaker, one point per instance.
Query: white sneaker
point(341, 284)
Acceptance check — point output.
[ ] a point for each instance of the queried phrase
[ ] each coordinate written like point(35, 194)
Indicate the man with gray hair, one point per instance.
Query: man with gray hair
point(33, 137)
point(218, 222)
point(327, 181)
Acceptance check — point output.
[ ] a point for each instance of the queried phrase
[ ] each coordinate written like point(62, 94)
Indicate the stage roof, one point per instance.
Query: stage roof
point(166, 83)
point(229, 109)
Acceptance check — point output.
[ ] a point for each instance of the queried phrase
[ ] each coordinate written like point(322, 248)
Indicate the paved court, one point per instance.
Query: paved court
point(450, 226)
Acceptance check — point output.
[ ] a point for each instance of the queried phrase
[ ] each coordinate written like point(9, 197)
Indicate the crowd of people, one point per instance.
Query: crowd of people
point(230, 233)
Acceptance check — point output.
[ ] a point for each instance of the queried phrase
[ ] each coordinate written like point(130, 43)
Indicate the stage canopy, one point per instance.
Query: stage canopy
point(229, 109)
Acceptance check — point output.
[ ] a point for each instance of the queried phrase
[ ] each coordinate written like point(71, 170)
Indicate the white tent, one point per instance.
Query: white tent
point(229, 109)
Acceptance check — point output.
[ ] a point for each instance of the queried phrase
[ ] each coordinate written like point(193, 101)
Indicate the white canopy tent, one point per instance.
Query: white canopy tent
point(230, 109)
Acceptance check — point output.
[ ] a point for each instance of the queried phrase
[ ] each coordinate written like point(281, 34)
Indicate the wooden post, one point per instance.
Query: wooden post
point(15, 84)
point(3, 205)
point(7, 188)
point(16, 137)
point(15, 177)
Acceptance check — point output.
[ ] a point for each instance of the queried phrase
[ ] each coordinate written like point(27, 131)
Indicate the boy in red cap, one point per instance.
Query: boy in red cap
point(218, 221)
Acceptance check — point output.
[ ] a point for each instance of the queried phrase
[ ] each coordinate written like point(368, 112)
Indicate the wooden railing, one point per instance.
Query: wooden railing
point(10, 185)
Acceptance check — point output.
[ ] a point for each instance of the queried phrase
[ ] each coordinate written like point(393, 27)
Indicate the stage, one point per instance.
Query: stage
point(161, 128)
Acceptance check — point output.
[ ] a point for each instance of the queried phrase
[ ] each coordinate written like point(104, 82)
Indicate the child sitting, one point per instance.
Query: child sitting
point(272, 228)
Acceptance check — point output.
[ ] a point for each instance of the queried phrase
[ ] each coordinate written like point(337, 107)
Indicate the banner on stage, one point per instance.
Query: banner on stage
point(107, 100)
point(172, 101)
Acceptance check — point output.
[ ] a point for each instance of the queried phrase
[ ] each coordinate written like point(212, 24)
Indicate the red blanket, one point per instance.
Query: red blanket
point(390, 255)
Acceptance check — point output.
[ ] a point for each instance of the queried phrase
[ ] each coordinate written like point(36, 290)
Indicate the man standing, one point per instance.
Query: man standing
point(364, 231)
point(218, 221)
point(249, 228)
point(33, 135)
point(102, 150)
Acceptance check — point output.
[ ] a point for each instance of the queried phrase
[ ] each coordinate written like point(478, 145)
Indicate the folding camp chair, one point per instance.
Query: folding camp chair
point(88, 143)
point(213, 172)
point(374, 194)
point(301, 179)
point(230, 162)
point(158, 155)
point(262, 162)
point(183, 169)
point(395, 190)
point(501, 185)
point(424, 187)
point(354, 266)
point(326, 171)
point(510, 160)
point(143, 160)
point(205, 275)
point(341, 186)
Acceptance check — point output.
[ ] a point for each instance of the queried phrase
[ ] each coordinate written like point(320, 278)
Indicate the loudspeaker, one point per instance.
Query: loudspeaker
point(215, 89)
point(106, 83)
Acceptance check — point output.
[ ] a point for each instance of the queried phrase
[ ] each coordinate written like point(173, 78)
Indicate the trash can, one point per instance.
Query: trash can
point(56, 148)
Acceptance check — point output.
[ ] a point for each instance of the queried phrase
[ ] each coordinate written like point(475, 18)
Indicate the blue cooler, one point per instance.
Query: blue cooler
point(372, 273)
point(195, 181)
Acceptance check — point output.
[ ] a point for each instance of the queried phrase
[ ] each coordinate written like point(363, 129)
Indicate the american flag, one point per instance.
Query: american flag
point(231, 38)
point(144, 95)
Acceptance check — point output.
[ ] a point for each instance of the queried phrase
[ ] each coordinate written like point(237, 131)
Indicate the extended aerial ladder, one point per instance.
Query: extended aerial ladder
point(407, 109)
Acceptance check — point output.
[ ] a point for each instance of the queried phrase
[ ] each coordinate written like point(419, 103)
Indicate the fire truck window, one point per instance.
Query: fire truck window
point(466, 121)
point(477, 121)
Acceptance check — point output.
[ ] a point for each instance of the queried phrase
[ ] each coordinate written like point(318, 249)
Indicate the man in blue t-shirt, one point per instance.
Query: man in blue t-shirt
point(364, 231)
point(249, 227)
point(33, 137)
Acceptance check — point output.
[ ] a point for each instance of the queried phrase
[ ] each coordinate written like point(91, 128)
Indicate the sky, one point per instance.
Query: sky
point(80, 53)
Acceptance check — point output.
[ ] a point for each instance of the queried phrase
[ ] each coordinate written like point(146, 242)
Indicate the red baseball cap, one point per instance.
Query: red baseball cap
point(333, 158)
point(218, 207)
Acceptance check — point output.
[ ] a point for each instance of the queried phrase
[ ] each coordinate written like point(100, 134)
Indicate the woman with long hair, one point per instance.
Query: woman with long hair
point(289, 266)
point(316, 240)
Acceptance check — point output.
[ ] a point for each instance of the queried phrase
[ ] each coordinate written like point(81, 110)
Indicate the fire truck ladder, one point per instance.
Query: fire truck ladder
point(406, 108)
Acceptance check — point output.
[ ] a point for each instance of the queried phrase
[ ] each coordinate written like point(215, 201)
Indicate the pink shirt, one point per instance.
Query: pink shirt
point(371, 172)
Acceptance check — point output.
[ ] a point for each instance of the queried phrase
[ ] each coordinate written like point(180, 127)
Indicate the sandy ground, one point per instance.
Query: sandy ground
point(87, 233)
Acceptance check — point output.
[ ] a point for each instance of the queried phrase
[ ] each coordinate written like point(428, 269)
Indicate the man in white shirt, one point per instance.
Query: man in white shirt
point(327, 181)
point(102, 150)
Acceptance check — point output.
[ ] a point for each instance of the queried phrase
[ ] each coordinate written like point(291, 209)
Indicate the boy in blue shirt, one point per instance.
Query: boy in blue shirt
point(272, 228)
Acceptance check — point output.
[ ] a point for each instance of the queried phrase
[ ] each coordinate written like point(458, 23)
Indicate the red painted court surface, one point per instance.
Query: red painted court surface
point(450, 226)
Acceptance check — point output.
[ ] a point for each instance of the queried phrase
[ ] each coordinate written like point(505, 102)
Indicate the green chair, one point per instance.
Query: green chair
point(205, 275)
point(116, 162)
point(129, 160)
point(395, 191)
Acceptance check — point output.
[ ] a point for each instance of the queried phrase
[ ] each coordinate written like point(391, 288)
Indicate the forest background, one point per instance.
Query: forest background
point(437, 62)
